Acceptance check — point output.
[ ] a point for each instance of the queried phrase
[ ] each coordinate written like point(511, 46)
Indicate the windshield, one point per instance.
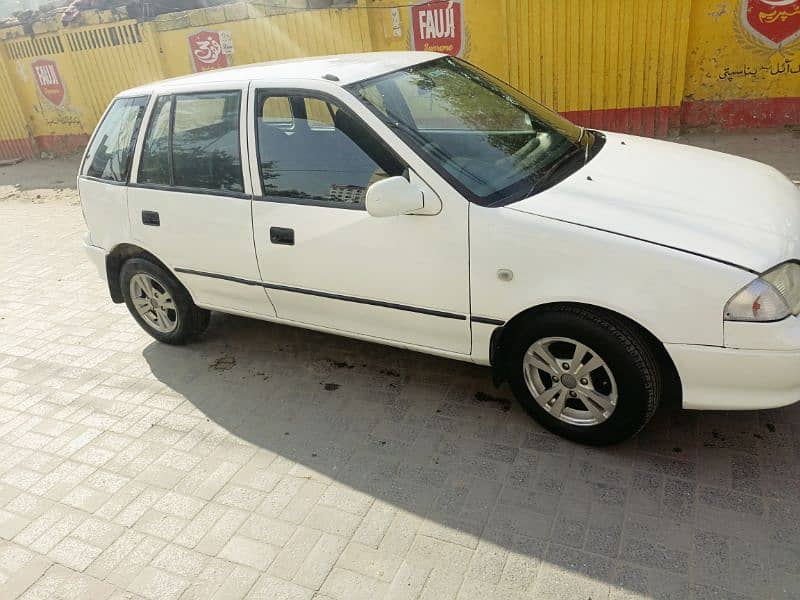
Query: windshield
point(492, 142)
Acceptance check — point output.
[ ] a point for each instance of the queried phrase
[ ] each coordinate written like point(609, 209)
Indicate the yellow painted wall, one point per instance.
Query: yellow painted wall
point(586, 58)
point(112, 57)
point(633, 65)
point(726, 61)
point(94, 64)
point(293, 35)
point(736, 77)
point(592, 57)
point(14, 137)
point(484, 37)
point(44, 118)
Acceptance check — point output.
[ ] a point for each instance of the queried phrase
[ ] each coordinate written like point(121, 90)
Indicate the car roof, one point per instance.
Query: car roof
point(348, 68)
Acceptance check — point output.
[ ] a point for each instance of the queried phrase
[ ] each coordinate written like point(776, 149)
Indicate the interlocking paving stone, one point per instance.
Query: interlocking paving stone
point(224, 469)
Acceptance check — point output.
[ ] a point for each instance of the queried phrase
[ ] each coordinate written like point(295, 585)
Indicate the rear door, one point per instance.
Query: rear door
point(105, 170)
point(189, 203)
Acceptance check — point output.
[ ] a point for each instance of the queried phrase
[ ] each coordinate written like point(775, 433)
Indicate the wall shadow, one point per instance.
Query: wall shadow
point(35, 174)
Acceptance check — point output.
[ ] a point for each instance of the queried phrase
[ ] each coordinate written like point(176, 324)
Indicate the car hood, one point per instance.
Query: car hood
point(716, 205)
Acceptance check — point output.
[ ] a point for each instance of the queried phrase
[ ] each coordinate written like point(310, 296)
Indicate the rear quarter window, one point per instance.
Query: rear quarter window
point(109, 154)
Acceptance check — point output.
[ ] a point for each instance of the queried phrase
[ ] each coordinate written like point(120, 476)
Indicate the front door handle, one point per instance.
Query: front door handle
point(281, 235)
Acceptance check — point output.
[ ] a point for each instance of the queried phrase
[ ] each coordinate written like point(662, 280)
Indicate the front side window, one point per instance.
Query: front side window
point(108, 156)
point(193, 142)
point(312, 151)
point(492, 142)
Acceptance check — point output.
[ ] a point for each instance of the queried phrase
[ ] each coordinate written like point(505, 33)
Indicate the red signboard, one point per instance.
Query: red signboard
point(438, 27)
point(208, 50)
point(775, 22)
point(48, 80)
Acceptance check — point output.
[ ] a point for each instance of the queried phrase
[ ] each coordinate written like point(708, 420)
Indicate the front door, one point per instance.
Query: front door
point(323, 259)
point(190, 202)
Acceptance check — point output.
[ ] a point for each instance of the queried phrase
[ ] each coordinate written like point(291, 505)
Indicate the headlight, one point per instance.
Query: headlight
point(772, 297)
point(786, 279)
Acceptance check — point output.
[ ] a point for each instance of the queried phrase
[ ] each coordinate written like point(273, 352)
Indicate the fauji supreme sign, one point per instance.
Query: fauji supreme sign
point(48, 80)
point(438, 27)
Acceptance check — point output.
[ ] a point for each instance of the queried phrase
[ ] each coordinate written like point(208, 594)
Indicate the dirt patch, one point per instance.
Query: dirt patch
point(261, 374)
point(340, 364)
point(223, 363)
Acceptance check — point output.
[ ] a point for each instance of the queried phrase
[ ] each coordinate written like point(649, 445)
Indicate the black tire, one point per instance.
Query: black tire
point(191, 320)
point(201, 321)
point(627, 353)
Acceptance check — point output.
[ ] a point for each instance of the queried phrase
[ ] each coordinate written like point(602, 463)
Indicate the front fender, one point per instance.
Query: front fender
point(679, 297)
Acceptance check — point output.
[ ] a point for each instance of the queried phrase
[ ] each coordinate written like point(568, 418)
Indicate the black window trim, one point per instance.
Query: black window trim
point(171, 187)
point(325, 97)
point(191, 190)
point(101, 180)
point(132, 143)
point(170, 133)
point(151, 120)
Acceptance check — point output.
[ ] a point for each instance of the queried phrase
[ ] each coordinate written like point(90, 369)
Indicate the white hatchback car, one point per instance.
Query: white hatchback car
point(413, 200)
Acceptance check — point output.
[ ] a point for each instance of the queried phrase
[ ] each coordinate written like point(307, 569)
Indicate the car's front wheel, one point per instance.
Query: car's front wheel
point(584, 374)
point(159, 303)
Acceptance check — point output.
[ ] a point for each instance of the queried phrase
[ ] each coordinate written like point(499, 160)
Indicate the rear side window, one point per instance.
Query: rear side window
point(109, 154)
point(276, 111)
point(193, 142)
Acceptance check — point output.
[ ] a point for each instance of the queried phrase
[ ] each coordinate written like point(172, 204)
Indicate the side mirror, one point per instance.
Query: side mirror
point(393, 197)
point(397, 196)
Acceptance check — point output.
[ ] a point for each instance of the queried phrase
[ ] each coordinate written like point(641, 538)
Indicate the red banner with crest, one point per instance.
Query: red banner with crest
point(775, 22)
point(210, 50)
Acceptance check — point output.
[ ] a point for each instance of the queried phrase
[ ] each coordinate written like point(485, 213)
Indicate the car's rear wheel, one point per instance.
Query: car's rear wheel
point(159, 303)
point(584, 374)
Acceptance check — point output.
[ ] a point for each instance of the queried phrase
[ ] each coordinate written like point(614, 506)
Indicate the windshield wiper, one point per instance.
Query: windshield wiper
point(547, 175)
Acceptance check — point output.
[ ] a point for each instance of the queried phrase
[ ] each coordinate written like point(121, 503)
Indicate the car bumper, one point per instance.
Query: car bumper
point(97, 256)
point(736, 379)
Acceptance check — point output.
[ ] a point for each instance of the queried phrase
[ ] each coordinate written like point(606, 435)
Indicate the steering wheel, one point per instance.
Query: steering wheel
point(531, 152)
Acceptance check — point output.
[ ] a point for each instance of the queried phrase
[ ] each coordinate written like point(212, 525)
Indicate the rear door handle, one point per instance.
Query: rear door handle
point(281, 235)
point(150, 217)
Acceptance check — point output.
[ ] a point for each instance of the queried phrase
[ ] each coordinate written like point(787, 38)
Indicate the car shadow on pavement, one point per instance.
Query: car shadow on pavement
point(432, 437)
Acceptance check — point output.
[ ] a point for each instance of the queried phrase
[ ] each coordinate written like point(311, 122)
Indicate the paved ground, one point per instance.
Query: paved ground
point(781, 149)
point(282, 464)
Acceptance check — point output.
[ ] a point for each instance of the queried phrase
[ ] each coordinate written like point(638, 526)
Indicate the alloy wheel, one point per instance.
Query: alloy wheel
point(154, 303)
point(570, 381)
